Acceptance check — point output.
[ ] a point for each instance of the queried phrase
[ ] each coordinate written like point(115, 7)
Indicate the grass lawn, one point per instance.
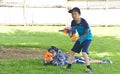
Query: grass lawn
point(105, 45)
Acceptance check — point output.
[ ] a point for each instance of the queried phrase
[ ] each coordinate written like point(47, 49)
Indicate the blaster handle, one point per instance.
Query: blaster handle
point(74, 37)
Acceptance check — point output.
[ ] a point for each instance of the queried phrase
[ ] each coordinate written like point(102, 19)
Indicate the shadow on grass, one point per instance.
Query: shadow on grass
point(105, 47)
point(29, 39)
point(101, 46)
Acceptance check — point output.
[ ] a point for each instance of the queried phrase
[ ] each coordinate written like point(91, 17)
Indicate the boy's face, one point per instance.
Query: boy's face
point(53, 53)
point(75, 15)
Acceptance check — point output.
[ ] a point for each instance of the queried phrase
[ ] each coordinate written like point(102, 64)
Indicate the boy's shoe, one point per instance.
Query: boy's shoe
point(106, 62)
point(88, 71)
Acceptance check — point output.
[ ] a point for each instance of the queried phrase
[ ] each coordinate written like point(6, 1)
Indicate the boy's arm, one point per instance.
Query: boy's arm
point(86, 27)
point(84, 35)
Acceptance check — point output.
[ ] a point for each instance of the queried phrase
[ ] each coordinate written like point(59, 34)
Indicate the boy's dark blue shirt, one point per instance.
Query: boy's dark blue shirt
point(81, 27)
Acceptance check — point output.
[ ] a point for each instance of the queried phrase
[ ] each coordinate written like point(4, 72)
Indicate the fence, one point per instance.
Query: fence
point(31, 12)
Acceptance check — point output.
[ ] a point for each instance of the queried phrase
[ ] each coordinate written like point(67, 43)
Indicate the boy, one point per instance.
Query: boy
point(84, 39)
point(56, 57)
point(53, 56)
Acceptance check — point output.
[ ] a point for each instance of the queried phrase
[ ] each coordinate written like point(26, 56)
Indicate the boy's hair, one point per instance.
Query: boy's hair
point(75, 9)
point(53, 48)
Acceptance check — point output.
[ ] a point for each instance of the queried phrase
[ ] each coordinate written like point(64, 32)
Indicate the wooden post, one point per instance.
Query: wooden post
point(106, 10)
point(87, 4)
point(24, 12)
point(106, 5)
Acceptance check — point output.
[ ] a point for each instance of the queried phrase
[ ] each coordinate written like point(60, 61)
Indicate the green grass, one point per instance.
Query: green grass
point(105, 45)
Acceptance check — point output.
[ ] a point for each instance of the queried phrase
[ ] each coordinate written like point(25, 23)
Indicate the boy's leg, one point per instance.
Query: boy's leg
point(86, 58)
point(85, 55)
point(71, 57)
point(76, 49)
point(70, 60)
point(95, 61)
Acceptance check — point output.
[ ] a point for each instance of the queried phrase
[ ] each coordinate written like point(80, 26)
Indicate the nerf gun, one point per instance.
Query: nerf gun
point(71, 32)
point(47, 56)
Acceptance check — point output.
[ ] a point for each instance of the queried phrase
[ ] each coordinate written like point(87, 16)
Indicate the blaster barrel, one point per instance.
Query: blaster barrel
point(61, 30)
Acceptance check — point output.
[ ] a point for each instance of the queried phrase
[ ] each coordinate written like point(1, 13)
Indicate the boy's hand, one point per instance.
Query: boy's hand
point(47, 61)
point(74, 40)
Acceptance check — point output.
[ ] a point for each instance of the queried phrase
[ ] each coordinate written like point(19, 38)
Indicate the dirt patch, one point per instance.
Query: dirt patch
point(20, 53)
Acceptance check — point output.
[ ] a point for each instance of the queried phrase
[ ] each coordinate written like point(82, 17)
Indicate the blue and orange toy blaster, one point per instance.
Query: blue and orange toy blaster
point(47, 56)
point(71, 32)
